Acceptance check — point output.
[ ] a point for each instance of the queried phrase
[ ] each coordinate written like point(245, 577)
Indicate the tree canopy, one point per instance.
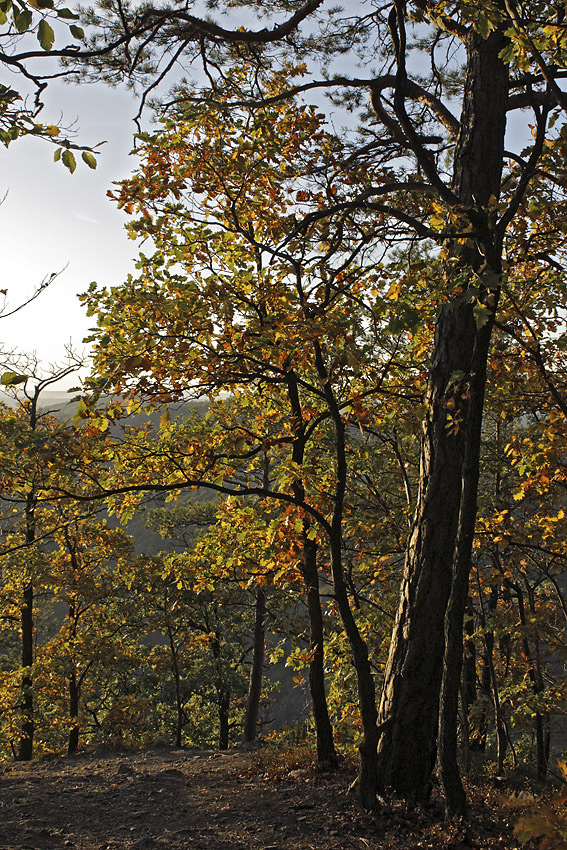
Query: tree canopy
point(368, 292)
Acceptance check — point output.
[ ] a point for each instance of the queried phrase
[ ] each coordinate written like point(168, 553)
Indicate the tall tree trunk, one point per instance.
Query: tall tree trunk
point(367, 774)
point(256, 671)
point(501, 732)
point(541, 722)
point(224, 709)
point(179, 722)
point(409, 709)
point(25, 748)
point(326, 754)
point(455, 798)
point(468, 677)
point(73, 743)
point(480, 732)
point(368, 768)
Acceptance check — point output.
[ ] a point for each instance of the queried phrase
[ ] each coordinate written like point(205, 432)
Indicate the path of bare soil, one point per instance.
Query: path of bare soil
point(187, 800)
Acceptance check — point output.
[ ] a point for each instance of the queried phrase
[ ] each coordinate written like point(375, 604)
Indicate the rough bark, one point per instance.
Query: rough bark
point(409, 710)
point(455, 798)
point(256, 671)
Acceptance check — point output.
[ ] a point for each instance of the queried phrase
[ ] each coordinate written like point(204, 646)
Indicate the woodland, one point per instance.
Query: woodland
point(336, 386)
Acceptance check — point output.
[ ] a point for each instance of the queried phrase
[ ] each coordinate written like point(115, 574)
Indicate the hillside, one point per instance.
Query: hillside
point(206, 800)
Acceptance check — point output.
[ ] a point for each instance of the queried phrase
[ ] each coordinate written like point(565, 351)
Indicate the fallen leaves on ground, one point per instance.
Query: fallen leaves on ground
point(206, 800)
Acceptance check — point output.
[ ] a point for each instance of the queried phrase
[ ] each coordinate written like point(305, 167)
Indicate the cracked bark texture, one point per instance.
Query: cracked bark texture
point(409, 708)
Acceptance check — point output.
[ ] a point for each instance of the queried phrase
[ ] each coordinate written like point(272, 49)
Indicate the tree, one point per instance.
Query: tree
point(85, 573)
point(230, 537)
point(27, 429)
point(431, 176)
point(27, 34)
point(121, 43)
point(269, 308)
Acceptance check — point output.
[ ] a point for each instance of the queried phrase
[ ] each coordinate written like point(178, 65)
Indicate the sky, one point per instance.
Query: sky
point(54, 221)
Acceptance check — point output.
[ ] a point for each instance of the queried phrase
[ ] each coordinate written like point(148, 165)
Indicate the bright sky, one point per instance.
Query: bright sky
point(52, 219)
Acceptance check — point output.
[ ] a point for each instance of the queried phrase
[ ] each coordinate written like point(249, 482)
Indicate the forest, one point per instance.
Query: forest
point(335, 386)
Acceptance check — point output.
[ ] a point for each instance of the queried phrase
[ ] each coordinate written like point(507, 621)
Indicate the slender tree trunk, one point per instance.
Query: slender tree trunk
point(224, 711)
point(367, 774)
point(465, 741)
point(223, 694)
point(73, 743)
point(468, 686)
point(480, 732)
point(25, 749)
point(538, 685)
point(326, 754)
point(256, 672)
point(177, 682)
point(489, 688)
point(468, 678)
point(501, 733)
point(437, 549)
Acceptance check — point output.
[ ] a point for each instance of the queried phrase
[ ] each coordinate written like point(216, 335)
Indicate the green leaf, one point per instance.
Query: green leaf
point(67, 14)
point(8, 95)
point(45, 35)
point(492, 280)
point(22, 20)
point(10, 379)
point(57, 155)
point(407, 320)
point(484, 25)
point(481, 314)
point(89, 159)
point(77, 32)
point(69, 161)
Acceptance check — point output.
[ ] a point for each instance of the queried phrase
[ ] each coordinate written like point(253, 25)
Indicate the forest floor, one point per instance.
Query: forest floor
point(206, 800)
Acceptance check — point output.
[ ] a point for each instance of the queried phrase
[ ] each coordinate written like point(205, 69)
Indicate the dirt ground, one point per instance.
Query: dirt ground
point(204, 800)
